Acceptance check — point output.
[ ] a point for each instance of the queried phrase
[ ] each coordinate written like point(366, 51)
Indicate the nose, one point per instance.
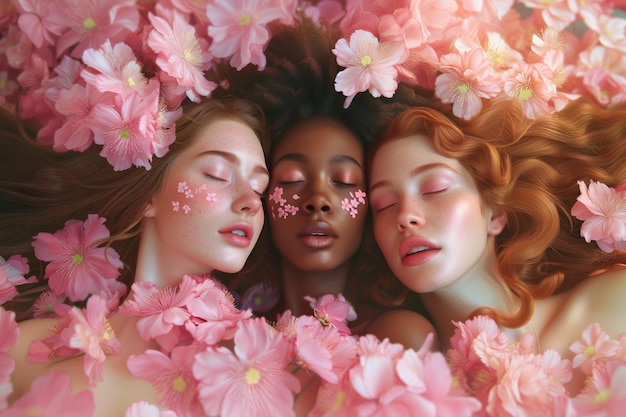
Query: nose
point(410, 216)
point(318, 200)
point(248, 202)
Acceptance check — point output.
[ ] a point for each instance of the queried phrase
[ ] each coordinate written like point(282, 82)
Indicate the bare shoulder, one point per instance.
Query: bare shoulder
point(25, 371)
point(403, 326)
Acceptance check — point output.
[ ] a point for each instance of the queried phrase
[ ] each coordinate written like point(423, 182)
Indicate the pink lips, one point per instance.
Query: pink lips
point(239, 235)
point(416, 250)
point(317, 235)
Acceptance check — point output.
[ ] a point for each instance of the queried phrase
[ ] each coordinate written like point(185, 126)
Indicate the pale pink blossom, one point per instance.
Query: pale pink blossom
point(555, 13)
point(160, 309)
point(212, 313)
point(113, 68)
point(78, 267)
point(91, 333)
point(144, 409)
point(12, 273)
point(605, 392)
point(603, 212)
point(171, 377)
point(595, 346)
point(526, 83)
point(92, 22)
point(47, 402)
point(182, 54)
point(239, 29)
point(323, 350)
point(370, 65)
point(251, 380)
point(36, 21)
point(465, 80)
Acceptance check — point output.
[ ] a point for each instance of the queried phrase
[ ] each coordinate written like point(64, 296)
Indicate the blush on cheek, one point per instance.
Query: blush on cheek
point(188, 194)
point(351, 204)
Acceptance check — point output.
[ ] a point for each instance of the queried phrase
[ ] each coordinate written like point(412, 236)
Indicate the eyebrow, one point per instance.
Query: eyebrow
point(416, 171)
point(298, 157)
point(234, 159)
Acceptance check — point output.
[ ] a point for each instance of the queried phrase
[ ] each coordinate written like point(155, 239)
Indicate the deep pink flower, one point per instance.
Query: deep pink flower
point(603, 212)
point(42, 401)
point(47, 304)
point(160, 309)
point(370, 65)
point(251, 380)
point(77, 266)
point(171, 377)
point(182, 54)
point(38, 23)
point(9, 331)
point(331, 311)
point(91, 333)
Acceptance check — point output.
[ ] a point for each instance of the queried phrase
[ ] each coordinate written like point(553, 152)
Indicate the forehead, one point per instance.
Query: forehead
point(226, 135)
point(319, 138)
point(405, 153)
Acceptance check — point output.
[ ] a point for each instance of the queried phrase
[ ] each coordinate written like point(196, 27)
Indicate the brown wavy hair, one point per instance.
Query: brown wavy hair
point(41, 189)
point(530, 168)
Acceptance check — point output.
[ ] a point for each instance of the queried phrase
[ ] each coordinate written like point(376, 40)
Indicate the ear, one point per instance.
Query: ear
point(150, 210)
point(497, 221)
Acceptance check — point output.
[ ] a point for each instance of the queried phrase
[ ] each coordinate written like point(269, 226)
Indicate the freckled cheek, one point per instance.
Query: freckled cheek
point(188, 197)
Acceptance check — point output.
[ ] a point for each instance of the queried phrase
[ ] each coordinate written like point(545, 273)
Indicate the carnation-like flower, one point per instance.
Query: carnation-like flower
point(78, 267)
point(250, 381)
point(594, 346)
point(603, 212)
point(370, 65)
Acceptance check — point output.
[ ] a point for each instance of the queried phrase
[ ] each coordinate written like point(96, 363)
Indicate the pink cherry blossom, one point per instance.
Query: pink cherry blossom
point(182, 54)
point(595, 345)
point(527, 84)
point(239, 28)
point(36, 21)
point(47, 305)
point(113, 68)
point(160, 309)
point(91, 333)
point(370, 65)
point(43, 401)
point(323, 350)
point(251, 380)
point(603, 212)
point(78, 267)
point(213, 315)
point(331, 311)
point(171, 377)
point(605, 392)
point(12, 273)
point(465, 80)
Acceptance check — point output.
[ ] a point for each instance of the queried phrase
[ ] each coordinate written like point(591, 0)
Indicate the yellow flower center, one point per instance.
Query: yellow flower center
point(77, 258)
point(524, 93)
point(131, 82)
point(341, 395)
point(601, 396)
point(252, 376)
point(124, 134)
point(366, 60)
point(463, 88)
point(3, 84)
point(179, 384)
point(89, 23)
point(589, 350)
point(245, 20)
point(34, 411)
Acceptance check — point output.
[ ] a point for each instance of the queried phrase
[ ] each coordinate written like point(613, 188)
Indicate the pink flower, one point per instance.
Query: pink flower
point(77, 266)
point(160, 309)
point(213, 315)
point(331, 311)
point(527, 84)
point(12, 273)
point(324, 350)
point(91, 333)
point(595, 345)
point(113, 68)
point(171, 377)
point(370, 65)
point(239, 29)
point(251, 381)
point(603, 212)
point(182, 54)
point(43, 401)
point(465, 80)
point(36, 21)
point(143, 409)
point(605, 392)
point(47, 305)
point(9, 330)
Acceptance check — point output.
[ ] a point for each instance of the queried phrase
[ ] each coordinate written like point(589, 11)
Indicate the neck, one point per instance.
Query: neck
point(298, 283)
